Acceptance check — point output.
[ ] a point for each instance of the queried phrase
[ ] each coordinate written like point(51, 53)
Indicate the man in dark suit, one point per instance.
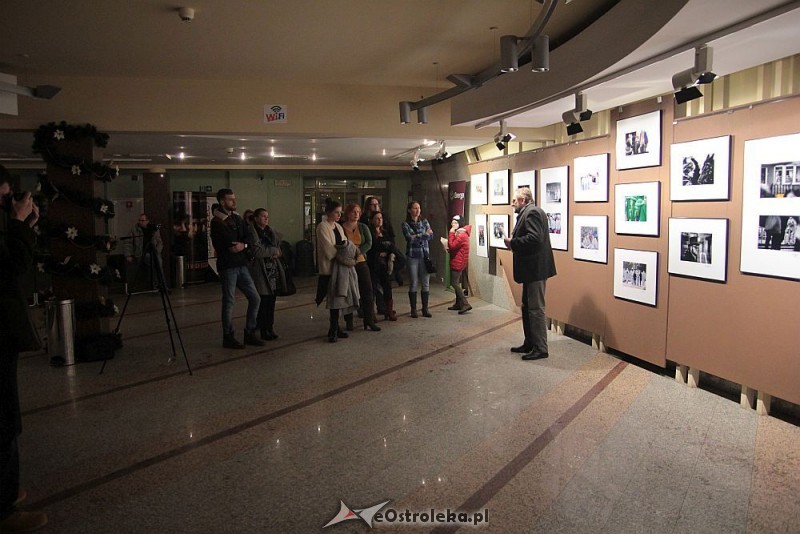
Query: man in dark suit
point(533, 265)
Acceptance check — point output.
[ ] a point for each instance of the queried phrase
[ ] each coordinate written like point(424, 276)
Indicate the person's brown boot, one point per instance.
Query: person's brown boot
point(21, 521)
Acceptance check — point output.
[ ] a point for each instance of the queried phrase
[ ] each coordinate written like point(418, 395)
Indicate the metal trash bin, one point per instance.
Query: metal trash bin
point(61, 330)
point(180, 271)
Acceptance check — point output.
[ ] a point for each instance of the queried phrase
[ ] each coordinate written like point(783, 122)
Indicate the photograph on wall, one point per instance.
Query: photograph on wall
point(481, 236)
point(553, 200)
point(639, 141)
point(477, 189)
point(636, 275)
point(498, 229)
point(698, 248)
point(700, 170)
point(590, 178)
point(771, 207)
point(590, 238)
point(524, 179)
point(637, 208)
point(498, 187)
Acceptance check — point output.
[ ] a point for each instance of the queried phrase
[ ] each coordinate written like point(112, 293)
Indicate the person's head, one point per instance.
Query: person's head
point(694, 243)
point(376, 219)
point(522, 197)
point(248, 216)
point(352, 212)
point(413, 209)
point(372, 204)
point(456, 222)
point(143, 220)
point(333, 210)
point(227, 199)
point(261, 217)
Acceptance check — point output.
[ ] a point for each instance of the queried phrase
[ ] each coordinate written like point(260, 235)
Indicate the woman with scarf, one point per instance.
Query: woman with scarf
point(359, 234)
point(265, 269)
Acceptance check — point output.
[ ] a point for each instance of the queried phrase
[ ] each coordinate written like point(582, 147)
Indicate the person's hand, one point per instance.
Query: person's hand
point(23, 208)
point(429, 231)
point(453, 226)
point(33, 218)
point(507, 241)
point(237, 247)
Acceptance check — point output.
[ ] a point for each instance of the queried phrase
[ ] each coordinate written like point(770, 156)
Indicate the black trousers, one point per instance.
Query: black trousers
point(266, 312)
point(365, 287)
point(10, 427)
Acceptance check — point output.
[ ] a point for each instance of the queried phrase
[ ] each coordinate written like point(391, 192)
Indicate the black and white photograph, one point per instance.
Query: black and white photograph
point(700, 170)
point(554, 195)
point(524, 179)
point(590, 238)
point(498, 187)
point(481, 237)
point(636, 275)
point(637, 208)
point(771, 207)
point(477, 189)
point(698, 248)
point(590, 183)
point(498, 226)
point(639, 141)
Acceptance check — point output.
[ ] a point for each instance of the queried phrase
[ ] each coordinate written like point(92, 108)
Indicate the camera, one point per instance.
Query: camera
point(7, 200)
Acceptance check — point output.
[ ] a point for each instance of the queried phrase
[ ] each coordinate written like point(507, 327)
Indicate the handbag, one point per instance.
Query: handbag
point(429, 266)
point(286, 285)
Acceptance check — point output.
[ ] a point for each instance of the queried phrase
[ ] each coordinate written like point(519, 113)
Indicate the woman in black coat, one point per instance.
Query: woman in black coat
point(265, 269)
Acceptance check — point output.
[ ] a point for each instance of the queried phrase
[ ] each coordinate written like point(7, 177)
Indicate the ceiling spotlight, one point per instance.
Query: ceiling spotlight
point(540, 54)
point(442, 152)
point(44, 92)
point(503, 137)
point(573, 121)
point(509, 61)
point(686, 81)
point(186, 14)
point(415, 161)
point(422, 115)
point(405, 112)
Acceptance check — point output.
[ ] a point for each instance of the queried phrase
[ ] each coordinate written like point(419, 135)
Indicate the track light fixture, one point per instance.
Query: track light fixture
point(509, 60)
point(442, 153)
point(415, 161)
point(405, 112)
point(573, 117)
point(422, 115)
point(540, 54)
point(44, 92)
point(503, 137)
point(686, 81)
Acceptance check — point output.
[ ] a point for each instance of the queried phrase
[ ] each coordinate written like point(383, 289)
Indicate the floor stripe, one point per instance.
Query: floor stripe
point(485, 493)
point(167, 455)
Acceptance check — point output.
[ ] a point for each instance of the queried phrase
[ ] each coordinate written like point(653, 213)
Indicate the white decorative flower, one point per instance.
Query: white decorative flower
point(76, 169)
point(38, 186)
point(94, 268)
point(118, 275)
point(72, 232)
point(37, 230)
point(116, 310)
point(40, 267)
point(104, 208)
point(58, 134)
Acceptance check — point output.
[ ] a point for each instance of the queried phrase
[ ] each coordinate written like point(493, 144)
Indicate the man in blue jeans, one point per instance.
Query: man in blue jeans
point(228, 238)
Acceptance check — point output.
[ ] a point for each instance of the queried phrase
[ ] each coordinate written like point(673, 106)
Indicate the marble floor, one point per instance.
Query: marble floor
point(435, 416)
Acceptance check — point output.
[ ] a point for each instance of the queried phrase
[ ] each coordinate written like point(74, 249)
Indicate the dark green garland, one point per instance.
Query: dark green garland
point(101, 207)
point(45, 143)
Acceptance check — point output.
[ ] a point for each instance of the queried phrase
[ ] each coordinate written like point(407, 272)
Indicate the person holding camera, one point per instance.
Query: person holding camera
point(138, 253)
point(18, 215)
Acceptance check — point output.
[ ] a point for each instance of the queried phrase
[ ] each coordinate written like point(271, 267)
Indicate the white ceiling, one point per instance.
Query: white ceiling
point(411, 43)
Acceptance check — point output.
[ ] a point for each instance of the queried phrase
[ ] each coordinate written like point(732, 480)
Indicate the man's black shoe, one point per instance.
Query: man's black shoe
point(522, 349)
point(250, 338)
point(230, 342)
point(535, 356)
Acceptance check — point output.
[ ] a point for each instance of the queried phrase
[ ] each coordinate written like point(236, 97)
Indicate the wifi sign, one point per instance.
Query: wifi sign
point(275, 114)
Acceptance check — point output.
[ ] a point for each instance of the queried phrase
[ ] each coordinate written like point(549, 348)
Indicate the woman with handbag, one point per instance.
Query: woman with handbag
point(379, 259)
point(265, 268)
point(418, 233)
point(360, 235)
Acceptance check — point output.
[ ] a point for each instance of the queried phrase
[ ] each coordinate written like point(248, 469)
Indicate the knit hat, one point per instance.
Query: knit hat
point(459, 220)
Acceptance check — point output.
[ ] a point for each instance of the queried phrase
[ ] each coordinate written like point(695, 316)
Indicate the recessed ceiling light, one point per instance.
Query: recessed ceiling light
point(243, 156)
point(181, 156)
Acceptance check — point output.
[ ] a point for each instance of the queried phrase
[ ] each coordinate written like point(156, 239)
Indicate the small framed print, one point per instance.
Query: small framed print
point(590, 238)
point(498, 187)
point(698, 248)
point(498, 226)
point(553, 200)
point(481, 236)
point(700, 170)
point(477, 189)
point(637, 208)
point(639, 141)
point(636, 275)
point(524, 179)
point(590, 178)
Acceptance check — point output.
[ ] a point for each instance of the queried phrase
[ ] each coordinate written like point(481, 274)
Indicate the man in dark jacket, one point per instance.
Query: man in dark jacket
point(228, 235)
point(533, 265)
point(17, 216)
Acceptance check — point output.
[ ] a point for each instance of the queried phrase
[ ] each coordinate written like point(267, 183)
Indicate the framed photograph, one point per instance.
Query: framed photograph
point(481, 236)
point(498, 187)
point(477, 189)
point(553, 200)
point(639, 141)
point(498, 228)
point(636, 275)
point(590, 178)
point(698, 248)
point(700, 170)
point(524, 179)
point(771, 207)
point(637, 208)
point(590, 238)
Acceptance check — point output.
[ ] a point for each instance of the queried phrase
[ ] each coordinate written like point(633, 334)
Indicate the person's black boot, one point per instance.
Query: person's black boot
point(333, 329)
point(230, 342)
point(348, 322)
point(425, 312)
point(412, 300)
point(250, 338)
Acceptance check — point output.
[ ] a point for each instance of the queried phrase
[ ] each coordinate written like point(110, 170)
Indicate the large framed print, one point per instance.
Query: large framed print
point(498, 228)
point(771, 207)
point(700, 170)
point(639, 141)
point(590, 178)
point(498, 187)
point(698, 248)
point(636, 275)
point(590, 238)
point(524, 179)
point(637, 208)
point(481, 236)
point(553, 200)
point(477, 189)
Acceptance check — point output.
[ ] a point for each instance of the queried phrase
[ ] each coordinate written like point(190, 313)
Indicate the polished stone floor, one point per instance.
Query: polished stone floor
point(428, 414)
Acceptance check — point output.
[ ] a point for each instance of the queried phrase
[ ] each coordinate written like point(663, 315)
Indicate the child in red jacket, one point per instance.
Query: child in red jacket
point(458, 245)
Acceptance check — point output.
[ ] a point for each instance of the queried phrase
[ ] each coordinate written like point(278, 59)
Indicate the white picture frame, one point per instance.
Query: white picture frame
point(698, 248)
point(524, 179)
point(481, 236)
point(638, 141)
point(498, 229)
point(590, 178)
point(637, 208)
point(771, 193)
point(636, 275)
point(590, 238)
point(554, 200)
point(477, 189)
point(700, 170)
point(498, 188)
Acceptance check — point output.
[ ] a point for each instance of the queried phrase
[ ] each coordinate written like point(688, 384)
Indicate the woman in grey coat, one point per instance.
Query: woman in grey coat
point(265, 269)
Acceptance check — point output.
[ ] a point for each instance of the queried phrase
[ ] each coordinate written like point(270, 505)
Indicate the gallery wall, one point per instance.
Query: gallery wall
point(742, 328)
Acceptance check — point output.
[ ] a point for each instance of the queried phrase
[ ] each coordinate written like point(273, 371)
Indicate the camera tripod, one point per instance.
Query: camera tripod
point(161, 286)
